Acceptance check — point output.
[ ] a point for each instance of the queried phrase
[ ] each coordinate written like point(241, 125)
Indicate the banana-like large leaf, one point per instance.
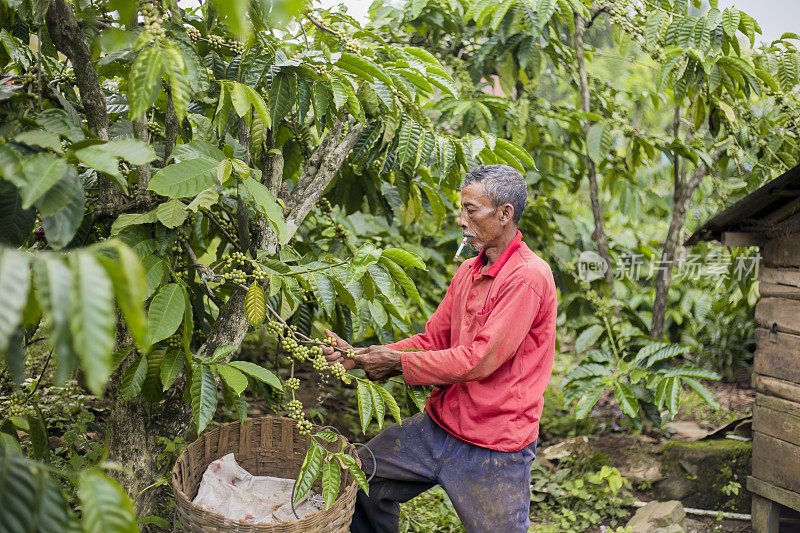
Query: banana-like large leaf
point(165, 313)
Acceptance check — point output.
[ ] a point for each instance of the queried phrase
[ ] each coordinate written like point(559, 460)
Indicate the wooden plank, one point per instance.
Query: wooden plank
point(775, 290)
point(782, 423)
point(783, 276)
point(771, 492)
point(777, 355)
point(765, 515)
point(733, 238)
point(784, 251)
point(779, 312)
point(776, 461)
point(777, 387)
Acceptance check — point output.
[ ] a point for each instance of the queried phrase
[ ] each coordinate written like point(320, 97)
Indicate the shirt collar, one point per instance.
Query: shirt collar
point(497, 265)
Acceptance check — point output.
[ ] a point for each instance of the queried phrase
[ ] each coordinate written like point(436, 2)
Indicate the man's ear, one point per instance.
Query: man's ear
point(506, 213)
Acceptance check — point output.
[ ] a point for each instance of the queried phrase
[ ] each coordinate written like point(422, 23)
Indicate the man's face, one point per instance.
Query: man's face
point(480, 220)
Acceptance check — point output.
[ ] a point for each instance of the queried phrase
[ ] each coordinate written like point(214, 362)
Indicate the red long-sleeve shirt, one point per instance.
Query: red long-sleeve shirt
point(489, 349)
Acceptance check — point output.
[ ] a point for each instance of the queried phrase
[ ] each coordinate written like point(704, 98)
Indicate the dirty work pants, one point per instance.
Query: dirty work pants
point(490, 490)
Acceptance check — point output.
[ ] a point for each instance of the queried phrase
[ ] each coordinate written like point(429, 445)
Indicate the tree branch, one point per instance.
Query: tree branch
point(683, 197)
point(598, 234)
point(170, 128)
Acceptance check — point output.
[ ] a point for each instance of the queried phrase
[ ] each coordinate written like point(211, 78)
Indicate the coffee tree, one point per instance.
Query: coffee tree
point(174, 178)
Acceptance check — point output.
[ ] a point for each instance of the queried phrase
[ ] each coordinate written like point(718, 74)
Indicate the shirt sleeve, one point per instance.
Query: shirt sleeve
point(506, 326)
point(437, 329)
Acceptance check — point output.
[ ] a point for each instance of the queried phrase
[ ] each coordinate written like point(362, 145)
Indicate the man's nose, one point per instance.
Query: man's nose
point(461, 222)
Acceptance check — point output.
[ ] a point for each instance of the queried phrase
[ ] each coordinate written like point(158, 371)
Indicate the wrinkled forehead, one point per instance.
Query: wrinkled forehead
point(475, 194)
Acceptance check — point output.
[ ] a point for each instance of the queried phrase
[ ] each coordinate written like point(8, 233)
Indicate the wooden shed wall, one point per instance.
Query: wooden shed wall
point(776, 367)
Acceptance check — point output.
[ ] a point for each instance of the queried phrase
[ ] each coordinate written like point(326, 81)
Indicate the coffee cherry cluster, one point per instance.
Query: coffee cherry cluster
point(153, 22)
point(154, 129)
point(220, 43)
point(235, 275)
point(304, 427)
point(338, 371)
point(230, 227)
point(350, 353)
point(320, 71)
point(324, 206)
point(15, 405)
point(352, 47)
point(295, 408)
point(292, 383)
point(175, 341)
point(193, 34)
point(275, 328)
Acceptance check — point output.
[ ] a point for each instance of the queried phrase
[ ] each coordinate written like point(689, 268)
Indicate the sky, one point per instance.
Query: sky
point(774, 16)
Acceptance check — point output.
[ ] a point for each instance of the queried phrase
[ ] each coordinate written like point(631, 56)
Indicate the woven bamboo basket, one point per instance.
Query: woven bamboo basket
point(266, 446)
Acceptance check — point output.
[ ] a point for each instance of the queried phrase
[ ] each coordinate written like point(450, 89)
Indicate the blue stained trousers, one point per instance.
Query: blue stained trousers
point(490, 490)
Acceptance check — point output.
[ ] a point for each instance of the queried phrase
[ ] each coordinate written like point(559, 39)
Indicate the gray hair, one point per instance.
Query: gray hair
point(503, 184)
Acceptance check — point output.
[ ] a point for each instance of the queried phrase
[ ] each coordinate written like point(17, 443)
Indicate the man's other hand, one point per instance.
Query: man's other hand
point(379, 362)
point(336, 356)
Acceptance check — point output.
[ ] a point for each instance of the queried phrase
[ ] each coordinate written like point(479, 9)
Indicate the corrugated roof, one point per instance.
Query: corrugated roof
point(761, 211)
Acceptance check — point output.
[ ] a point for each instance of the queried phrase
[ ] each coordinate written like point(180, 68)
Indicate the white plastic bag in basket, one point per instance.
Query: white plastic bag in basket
point(233, 492)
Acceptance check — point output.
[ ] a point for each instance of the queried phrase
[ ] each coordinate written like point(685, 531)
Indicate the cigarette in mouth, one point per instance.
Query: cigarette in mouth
point(461, 247)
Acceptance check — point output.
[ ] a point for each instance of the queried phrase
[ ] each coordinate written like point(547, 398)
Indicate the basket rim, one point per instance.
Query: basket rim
point(184, 498)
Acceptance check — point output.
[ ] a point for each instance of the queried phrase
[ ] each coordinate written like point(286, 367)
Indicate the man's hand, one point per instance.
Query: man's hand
point(379, 362)
point(334, 356)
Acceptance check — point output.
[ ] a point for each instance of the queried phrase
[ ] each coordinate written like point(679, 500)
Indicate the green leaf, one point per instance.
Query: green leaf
point(280, 97)
point(223, 351)
point(40, 138)
point(133, 377)
point(626, 398)
point(41, 172)
point(404, 258)
point(198, 148)
point(165, 313)
point(92, 319)
point(239, 98)
point(692, 372)
point(588, 337)
point(177, 72)
point(255, 305)
point(185, 179)
point(330, 482)
point(16, 224)
point(62, 209)
point(128, 279)
point(350, 464)
point(324, 291)
point(171, 367)
point(259, 105)
point(233, 378)
point(14, 285)
point(37, 431)
point(402, 279)
point(703, 392)
point(327, 436)
point(53, 283)
point(204, 396)
point(30, 499)
point(204, 200)
point(132, 219)
point(257, 372)
point(144, 82)
point(598, 141)
point(364, 404)
point(105, 506)
point(172, 213)
point(265, 204)
point(390, 402)
point(587, 401)
point(153, 274)
point(378, 404)
point(418, 396)
point(309, 470)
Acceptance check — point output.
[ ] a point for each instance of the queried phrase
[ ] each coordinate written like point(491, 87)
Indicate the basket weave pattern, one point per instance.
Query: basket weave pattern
point(266, 446)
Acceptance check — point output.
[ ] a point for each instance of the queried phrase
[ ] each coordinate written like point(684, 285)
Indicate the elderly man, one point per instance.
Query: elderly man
point(489, 350)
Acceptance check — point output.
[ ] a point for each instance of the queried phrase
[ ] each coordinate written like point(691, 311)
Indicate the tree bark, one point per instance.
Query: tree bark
point(599, 234)
point(683, 197)
point(70, 41)
point(170, 128)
